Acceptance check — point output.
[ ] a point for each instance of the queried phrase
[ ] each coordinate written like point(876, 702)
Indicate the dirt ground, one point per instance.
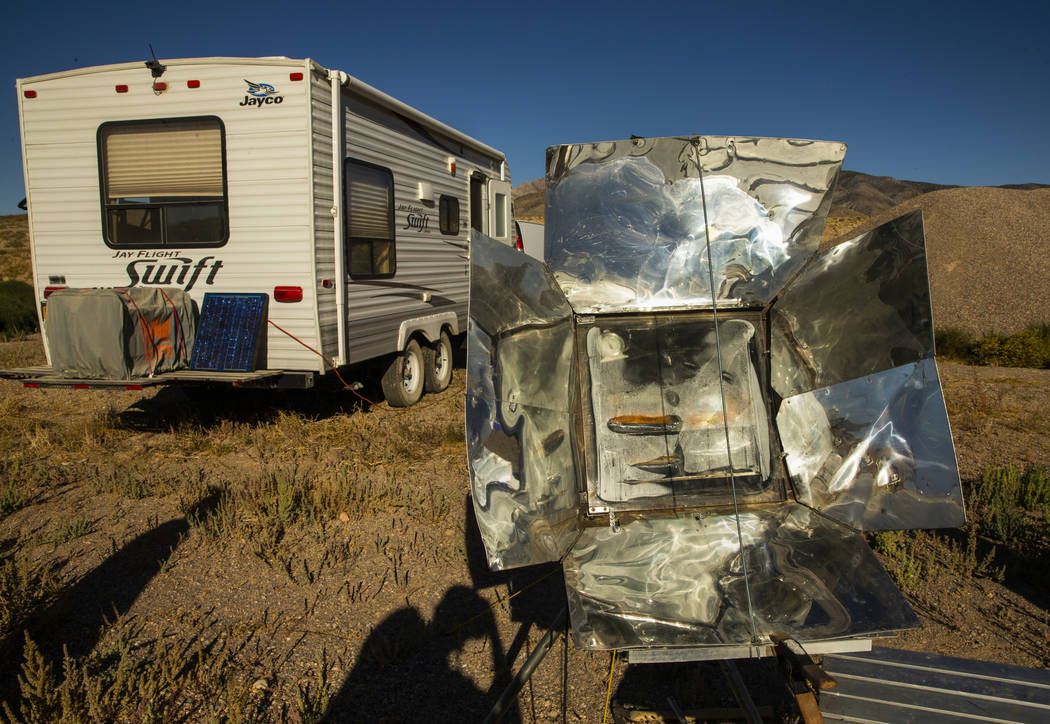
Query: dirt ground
point(375, 604)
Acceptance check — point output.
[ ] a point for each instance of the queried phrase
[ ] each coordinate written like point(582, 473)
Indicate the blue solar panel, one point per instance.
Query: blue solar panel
point(231, 332)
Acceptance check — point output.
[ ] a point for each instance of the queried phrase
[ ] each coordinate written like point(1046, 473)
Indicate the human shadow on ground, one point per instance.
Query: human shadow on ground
point(409, 670)
point(73, 622)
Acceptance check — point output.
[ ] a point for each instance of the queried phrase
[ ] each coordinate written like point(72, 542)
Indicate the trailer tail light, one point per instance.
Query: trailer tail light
point(517, 241)
point(29, 93)
point(32, 385)
point(288, 294)
point(193, 84)
point(132, 387)
point(121, 88)
point(295, 76)
point(48, 291)
point(81, 386)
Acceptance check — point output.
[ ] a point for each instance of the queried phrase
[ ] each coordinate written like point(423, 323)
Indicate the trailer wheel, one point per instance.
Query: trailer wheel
point(403, 380)
point(437, 364)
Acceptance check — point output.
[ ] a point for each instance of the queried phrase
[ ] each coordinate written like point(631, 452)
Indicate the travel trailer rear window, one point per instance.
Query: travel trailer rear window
point(370, 233)
point(163, 182)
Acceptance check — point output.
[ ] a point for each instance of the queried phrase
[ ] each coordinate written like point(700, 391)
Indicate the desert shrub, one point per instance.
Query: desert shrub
point(954, 343)
point(133, 677)
point(1027, 348)
point(1001, 500)
point(17, 309)
point(23, 587)
point(903, 562)
point(1035, 487)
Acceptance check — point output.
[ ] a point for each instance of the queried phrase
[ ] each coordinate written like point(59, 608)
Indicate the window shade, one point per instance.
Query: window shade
point(370, 203)
point(166, 158)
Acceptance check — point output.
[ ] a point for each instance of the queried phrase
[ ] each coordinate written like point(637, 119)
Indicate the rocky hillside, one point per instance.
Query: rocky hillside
point(856, 194)
point(987, 255)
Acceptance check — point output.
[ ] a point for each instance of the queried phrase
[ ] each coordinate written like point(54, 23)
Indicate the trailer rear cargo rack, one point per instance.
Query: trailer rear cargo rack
point(44, 376)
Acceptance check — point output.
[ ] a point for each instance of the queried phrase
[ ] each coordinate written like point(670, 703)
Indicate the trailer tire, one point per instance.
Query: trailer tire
point(403, 379)
point(437, 364)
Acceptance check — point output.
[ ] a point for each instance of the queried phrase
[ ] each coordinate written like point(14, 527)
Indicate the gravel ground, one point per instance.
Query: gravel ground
point(987, 254)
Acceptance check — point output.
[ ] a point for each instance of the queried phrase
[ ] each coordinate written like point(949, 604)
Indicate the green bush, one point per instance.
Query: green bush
point(954, 343)
point(1002, 499)
point(1028, 348)
point(17, 309)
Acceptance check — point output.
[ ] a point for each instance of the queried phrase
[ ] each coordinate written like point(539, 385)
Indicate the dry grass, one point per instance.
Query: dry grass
point(336, 511)
point(267, 557)
point(14, 248)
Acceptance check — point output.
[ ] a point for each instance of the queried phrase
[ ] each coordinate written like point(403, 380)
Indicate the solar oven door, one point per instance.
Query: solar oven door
point(862, 420)
point(519, 407)
point(657, 434)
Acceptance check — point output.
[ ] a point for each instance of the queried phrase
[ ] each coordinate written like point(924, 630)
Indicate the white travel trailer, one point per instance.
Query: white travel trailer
point(351, 210)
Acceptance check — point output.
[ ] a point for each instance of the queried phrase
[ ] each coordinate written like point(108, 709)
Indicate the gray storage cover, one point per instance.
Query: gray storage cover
point(119, 333)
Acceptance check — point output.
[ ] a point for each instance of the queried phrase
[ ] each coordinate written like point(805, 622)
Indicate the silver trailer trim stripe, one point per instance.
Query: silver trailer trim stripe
point(338, 77)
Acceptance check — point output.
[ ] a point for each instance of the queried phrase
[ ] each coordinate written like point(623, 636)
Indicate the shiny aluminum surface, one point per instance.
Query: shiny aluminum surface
point(595, 395)
point(519, 425)
point(625, 219)
point(678, 581)
point(659, 366)
point(875, 452)
point(858, 308)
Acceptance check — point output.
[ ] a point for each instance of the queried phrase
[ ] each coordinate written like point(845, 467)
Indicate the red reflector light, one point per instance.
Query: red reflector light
point(121, 88)
point(34, 385)
point(81, 387)
point(159, 86)
point(29, 94)
point(288, 294)
point(193, 84)
point(48, 291)
point(295, 76)
point(132, 387)
point(518, 245)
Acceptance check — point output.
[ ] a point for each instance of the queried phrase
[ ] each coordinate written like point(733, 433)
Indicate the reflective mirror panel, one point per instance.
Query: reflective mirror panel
point(661, 582)
point(519, 426)
point(625, 219)
point(875, 452)
point(509, 290)
point(858, 308)
point(655, 428)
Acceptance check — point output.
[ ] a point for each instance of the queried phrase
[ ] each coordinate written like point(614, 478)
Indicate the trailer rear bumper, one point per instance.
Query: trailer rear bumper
point(43, 376)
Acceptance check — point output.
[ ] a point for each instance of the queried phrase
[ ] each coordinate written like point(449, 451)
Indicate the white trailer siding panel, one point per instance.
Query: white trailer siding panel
point(427, 262)
point(268, 174)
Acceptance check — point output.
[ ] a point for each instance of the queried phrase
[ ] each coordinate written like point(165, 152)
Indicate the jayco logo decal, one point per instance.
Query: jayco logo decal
point(260, 94)
point(168, 268)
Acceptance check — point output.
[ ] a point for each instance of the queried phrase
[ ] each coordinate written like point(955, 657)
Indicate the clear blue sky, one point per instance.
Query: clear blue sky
point(954, 93)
